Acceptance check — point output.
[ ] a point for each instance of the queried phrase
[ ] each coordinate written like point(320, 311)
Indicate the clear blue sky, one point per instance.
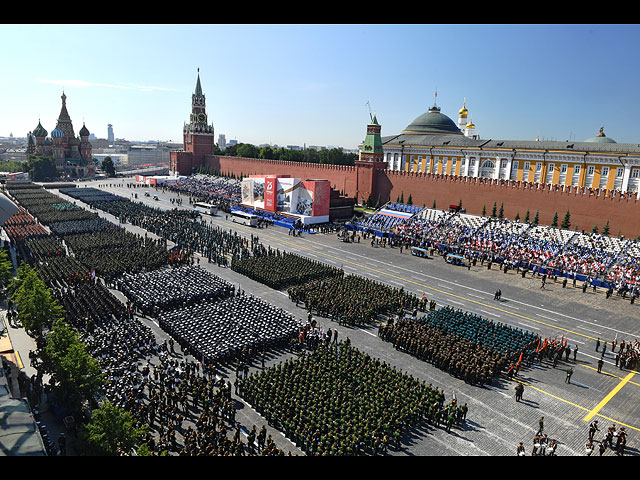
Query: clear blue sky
point(309, 84)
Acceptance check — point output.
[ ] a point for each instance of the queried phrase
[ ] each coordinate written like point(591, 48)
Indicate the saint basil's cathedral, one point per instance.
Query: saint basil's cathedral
point(72, 154)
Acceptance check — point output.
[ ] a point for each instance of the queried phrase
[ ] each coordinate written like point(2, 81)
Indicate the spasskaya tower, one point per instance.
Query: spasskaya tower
point(198, 137)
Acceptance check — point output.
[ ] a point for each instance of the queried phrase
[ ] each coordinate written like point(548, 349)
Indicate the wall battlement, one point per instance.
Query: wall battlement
point(263, 161)
point(602, 193)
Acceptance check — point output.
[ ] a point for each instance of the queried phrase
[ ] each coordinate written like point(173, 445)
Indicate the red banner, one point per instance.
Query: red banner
point(321, 198)
point(270, 192)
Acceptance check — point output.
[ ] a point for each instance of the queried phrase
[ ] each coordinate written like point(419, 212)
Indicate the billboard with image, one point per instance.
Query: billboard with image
point(258, 192)
point(246, 191)
point(287, 195)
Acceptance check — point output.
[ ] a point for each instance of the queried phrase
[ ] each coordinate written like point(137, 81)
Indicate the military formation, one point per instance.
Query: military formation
point(171, 288)
point(340, 401)
point(182, 227)
point(352, 299)
point(143, 377)
point(463, 344)
point(281, 270)
point(220, 331)
point(331, 400)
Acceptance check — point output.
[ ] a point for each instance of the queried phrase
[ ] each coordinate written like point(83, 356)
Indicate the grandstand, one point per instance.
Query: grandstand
point(593, 257)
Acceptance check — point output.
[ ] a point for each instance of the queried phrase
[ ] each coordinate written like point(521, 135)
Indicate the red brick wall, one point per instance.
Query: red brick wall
point(183, 162)
point(586, 210)
point(342, 178)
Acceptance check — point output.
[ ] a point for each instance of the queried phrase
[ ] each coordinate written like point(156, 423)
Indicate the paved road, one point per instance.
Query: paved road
point(496, 423)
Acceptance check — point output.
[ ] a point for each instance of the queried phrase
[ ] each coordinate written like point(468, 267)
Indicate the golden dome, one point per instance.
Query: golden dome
point(470, 124)
point(463, 111)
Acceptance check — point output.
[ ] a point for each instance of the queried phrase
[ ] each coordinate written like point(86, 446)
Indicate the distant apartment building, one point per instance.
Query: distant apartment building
point(148, 154)
point(110, 136)
point(222, 142)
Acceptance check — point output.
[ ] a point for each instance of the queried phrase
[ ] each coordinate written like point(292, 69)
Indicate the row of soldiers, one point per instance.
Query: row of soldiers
point(114, 252)
point(340, 401)
point(280, 270)
point(353, 300)
point(460, 357)
point(141, 377)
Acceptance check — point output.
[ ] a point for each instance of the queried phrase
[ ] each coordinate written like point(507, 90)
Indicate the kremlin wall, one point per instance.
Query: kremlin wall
point(587, 208)
point(379, 175)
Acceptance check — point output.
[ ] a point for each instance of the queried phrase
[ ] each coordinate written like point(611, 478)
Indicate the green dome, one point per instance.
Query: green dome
point(40, 131)
point(433, 122)
point(601, 138)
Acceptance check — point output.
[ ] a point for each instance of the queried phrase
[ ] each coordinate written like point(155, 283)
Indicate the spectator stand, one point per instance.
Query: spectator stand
point(386, 219)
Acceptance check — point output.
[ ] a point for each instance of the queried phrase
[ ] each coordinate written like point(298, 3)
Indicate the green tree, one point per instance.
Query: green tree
point(554, 222)
point(6, 268)
point(536, 219)
point(266, 153)
point(517, 219)
point(526, 217)
point(112, 432)
point(605, 229)
point(75, 376)
point(566, 222)
point(494, 210)
point(11, 166)
point(108, 167)
point(501, 212)
point(484, 210)
point(247, 150)
point(36, 308)
point(41, 167)
point(312, 156)
point(409, 200)
point(230, 151)
point(594, 229)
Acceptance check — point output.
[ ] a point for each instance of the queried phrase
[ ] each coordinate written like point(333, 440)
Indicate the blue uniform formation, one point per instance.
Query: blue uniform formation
point(499, 337)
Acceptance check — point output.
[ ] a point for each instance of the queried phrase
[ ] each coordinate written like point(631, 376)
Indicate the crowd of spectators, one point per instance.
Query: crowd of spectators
point(612, 261)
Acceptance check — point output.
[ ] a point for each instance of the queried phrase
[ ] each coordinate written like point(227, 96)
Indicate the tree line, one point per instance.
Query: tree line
point(330, 156)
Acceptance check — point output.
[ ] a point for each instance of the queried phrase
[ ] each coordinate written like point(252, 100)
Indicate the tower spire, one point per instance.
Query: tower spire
point(198, 86)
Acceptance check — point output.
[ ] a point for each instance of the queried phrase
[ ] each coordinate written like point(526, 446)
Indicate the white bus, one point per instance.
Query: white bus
point(244, 218)
point(206, 208)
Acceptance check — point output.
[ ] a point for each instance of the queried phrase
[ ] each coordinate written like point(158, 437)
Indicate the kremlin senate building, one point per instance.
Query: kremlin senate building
point(436, 160)
point(433, 143)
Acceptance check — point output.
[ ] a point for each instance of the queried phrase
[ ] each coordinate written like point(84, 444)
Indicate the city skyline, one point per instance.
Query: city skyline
point(314, 84)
